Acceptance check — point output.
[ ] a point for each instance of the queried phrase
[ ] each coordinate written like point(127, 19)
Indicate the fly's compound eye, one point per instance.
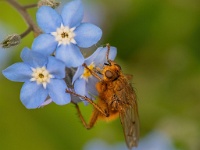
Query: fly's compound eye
point(108, 74)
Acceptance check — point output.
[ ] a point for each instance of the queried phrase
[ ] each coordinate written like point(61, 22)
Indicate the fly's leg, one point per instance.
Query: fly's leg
point(92, 72)
point(98, 70)
point(80, 115)
point(108, 51)
point(105, 113)
point(92, 120)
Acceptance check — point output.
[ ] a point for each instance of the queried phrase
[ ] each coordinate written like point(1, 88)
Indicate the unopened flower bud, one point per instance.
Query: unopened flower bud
point(11, 40)
point(51, 3)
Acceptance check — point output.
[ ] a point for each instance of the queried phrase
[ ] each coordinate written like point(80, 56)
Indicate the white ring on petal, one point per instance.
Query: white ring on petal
point(64, 35)
point(41, 76)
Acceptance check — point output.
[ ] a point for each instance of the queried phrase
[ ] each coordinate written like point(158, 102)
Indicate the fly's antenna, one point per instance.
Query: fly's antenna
point(107, 54)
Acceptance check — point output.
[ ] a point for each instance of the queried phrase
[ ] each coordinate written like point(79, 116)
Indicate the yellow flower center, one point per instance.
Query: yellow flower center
point(64, 34)
point(86, 73)
point(41, 76)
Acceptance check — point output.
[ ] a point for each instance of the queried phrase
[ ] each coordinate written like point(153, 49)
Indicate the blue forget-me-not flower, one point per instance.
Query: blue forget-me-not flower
point(43, 77)
point(64, 33)
point(84, 82)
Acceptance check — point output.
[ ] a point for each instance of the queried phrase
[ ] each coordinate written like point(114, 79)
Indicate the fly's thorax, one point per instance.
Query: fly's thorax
point(101, 87)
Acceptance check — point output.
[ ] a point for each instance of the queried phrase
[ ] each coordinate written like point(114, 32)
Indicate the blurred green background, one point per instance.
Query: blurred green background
point(158, 42)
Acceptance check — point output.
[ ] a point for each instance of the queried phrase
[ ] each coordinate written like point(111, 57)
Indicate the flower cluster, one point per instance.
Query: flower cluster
point(57, 49)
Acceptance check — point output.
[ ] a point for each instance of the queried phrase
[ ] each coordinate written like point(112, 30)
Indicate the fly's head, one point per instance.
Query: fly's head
point(111, 71)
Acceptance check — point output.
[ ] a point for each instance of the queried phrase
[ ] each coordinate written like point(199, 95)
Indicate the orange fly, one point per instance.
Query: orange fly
point(116, 97)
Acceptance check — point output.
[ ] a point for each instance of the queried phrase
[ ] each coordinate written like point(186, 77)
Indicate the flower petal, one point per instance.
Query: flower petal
point(70, 55)
point(33, 58)
point(87, 34)
point(33, 95)
point(78, 73)
point(80, 86)
point(48, 19)
point(91, 87)
point(113, 53)
point(19, 72)
point(72, 13)
point(56, 67)
point(45, 44)
point(92, 57)
point(101, 58)
point(57, 89)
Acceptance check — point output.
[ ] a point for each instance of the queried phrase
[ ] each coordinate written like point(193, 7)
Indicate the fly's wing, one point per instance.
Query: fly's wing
point(130, 123)
point(129, 117)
